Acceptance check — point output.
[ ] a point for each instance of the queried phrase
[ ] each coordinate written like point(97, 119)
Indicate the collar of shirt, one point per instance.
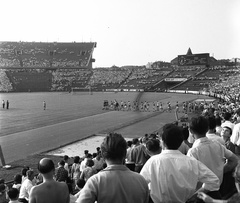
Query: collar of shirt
point(199, 141)
point(116, 168)
point(170, 151)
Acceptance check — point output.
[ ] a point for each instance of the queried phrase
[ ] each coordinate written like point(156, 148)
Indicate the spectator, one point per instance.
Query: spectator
point(98, 162)
point(24, 173)
point(75, 170)
point(116, 183)
point(61, 174)
point(153, 147)
point(88, 171)
point(79, 186)
point(13, 194)
point(26, 187)
point(226, 134)
point(227, 120)
point(213, 154)
point(173, 176)
point(218, 125)
point(211, 134)
point(234, 199)
point(66, 159)
point(17, 181)
point(139, 154)
point(235, 138)
point(50, 190)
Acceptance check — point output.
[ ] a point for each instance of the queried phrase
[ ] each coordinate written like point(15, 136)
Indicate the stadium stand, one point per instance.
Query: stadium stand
point(37, 66)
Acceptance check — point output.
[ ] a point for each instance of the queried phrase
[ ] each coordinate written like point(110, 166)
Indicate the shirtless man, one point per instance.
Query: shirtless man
point(49, 191)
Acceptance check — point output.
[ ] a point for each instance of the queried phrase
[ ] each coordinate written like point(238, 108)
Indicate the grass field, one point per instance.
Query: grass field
point(68, 118)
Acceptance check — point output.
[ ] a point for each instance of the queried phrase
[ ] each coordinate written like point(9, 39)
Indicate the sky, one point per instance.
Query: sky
point(128, 32)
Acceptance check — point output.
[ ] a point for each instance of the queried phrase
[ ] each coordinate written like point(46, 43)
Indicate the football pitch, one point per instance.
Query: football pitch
point(27, 129)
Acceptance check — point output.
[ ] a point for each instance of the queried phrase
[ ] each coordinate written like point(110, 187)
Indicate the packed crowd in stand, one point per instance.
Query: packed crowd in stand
point(45, 55)
point(181, 163)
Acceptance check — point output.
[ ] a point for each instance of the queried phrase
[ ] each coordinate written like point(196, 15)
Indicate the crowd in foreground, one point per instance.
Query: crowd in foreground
point(193, 163)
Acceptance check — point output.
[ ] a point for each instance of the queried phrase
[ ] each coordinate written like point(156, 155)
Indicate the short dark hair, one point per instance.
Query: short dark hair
point(45, 165)
point(17, 179)
point(185, 133)
point(211, 123)
point(218, 121)
point(90, 163)
point(65, 157)
point(76, 159)
point(129, 143)
point(153, 145)
point(24, 171)
point(114, 147)
point(13, 193)
point(81, 183)
point(62, 162)
point(172, 137)
point(227, 116)
point(135, 140)
point(199, 125)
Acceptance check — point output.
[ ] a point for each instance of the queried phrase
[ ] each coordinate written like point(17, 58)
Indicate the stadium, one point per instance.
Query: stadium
point(61, 76)
point(64, 70)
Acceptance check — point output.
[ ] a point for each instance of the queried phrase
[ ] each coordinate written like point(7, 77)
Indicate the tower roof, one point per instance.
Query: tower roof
point(189, 52)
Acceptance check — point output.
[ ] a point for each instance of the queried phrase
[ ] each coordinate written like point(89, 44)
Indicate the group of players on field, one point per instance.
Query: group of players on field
point(146, 106)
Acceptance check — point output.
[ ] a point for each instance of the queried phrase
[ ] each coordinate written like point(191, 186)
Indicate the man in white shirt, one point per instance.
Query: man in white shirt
point(26, 187)
point(235, 138)
point(213, 154)
point(211, 134)
point(173, 177)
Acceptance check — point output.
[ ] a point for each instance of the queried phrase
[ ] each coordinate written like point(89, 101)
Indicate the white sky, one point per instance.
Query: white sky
point(128, 32)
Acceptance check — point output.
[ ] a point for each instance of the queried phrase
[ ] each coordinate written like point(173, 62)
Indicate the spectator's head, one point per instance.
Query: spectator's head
point(65, 158)
point(172, 137)
point(24, 171)
point(94, 155)
point(198, 126)
point(80, 183)
point(129, 143)
point(86, 152)
point(30, 174)
point(17, 179)
point(98, 149)
point(153, 146)
point(152, 136)
point(13, 194)
point(90, 163)
point(114, 148)
point(135, 141)
point(62, 163)
point(226, 132)
point(211, 123)
point(227, 116)
point(185, 133)
point(76, 160)
point(46, 167)
point(218, 121)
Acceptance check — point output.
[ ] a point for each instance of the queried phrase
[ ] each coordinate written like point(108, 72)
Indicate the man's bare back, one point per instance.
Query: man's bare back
point(50, 192)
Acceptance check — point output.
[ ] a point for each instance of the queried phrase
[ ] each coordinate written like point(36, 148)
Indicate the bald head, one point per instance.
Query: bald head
point(45, 165)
